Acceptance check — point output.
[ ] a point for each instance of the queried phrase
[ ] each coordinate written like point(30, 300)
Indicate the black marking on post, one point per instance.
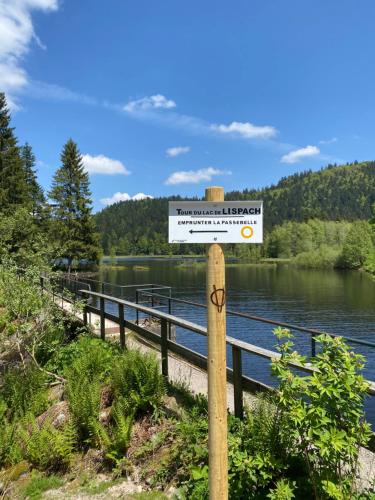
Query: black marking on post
point(218, 298)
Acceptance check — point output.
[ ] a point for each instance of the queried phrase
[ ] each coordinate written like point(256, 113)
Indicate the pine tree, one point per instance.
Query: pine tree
point(35, 191)
point(13, 185)
point(74, 225)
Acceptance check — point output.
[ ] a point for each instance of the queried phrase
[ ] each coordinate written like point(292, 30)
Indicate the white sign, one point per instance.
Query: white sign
point(215, 222)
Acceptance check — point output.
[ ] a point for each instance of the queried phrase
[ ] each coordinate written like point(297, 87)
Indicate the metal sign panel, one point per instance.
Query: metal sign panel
point(215, 222)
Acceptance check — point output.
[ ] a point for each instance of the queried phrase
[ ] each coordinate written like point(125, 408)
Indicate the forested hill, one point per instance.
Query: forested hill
point(335, 193)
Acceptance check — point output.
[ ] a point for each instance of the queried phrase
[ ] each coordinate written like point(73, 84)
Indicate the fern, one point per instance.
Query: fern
point(47, 448)
point(84, 401)
point(24, 391)
point(136, 378)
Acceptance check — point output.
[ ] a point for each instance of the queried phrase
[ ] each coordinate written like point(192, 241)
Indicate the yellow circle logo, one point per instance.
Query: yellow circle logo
point(247, 232)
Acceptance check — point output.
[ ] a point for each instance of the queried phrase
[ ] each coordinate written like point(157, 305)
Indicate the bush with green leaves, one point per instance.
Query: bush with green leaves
point(324, 412)
point(136, 377)
point(87, 354)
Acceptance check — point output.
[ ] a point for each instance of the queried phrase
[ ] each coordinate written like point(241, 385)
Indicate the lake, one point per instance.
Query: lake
point(340, 302)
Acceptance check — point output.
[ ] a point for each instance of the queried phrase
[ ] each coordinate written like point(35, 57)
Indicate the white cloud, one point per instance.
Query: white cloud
point(156, 101)
point(124, 197)
point(195, 176)
point(246, 130)
point(16, 34)
point(176, 151)
point(329, 141)
point(43, 90)
point(103, 165)
point(299, 154)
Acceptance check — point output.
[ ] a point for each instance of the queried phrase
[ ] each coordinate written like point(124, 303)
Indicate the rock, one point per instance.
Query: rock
point(105, 397)
point(57, 415)
point(55, 393)
point(105, 416)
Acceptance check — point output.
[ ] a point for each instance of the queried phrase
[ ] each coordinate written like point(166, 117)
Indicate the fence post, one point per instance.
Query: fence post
point(237, 381)
point(85, 312)
point(41, 278)
point(313, 346)
point(102, 319)
point(164, 347)
point(136, 301)
point(170, 312)
point(121, 325)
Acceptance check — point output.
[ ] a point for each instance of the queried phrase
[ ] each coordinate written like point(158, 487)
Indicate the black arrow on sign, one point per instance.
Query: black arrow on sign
point(192, 231)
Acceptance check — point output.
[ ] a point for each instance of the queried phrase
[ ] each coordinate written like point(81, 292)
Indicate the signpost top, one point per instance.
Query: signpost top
point(215, 222)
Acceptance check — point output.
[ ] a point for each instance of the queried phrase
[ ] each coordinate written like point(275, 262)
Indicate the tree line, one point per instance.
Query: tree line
point(61, 231)
point(300, 216)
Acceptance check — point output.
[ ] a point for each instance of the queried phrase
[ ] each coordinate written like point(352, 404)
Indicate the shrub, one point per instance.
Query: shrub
point(136, 378)
point(87, 355)
point(324, 257)
point(324, 412)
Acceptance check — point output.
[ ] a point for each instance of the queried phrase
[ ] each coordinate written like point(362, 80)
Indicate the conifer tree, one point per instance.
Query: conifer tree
point(35, 191)
point(13, 185)
point(73, 224)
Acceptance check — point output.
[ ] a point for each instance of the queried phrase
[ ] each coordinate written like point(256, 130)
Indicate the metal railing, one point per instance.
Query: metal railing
point(235, 374)
point(311, 331)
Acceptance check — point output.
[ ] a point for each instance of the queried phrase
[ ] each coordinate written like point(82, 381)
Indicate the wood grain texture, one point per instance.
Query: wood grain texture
point(217, 373)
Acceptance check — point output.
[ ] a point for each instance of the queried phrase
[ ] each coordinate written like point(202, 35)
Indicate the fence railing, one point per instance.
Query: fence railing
point(240, 381)
point(235, 374)
point(169, 301)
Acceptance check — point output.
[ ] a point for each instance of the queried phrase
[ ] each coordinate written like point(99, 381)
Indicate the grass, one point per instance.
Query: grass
point(149, 495)
point(38, 484)
point(95, 488)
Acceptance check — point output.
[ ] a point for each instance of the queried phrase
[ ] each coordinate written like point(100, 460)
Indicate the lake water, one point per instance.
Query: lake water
point(340, 302)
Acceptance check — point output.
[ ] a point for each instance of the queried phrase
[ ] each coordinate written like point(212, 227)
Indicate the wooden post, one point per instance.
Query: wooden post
point(217, 373)
point(102, 318)
point(85, 321)
point(164, 347)
point(237, 381)
point(121, 325)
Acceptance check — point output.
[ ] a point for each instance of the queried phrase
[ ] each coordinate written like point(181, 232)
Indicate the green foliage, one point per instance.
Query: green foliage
point(334, 193)
point(14, 189)
point(38, 484)
point(115, 440)
point(358, 245)
point(23, 391)
point(10, 449)
point(83, 394)
point(324, 257)
point(283, 491)
point(36, 193)
point(87, 355)
point(370, 263)
point(46, 447)
point(136, 377)
point(324, 411)
point(73, 225)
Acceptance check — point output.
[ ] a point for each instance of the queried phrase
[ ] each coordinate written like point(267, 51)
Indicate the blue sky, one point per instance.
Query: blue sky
point(166, 97)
